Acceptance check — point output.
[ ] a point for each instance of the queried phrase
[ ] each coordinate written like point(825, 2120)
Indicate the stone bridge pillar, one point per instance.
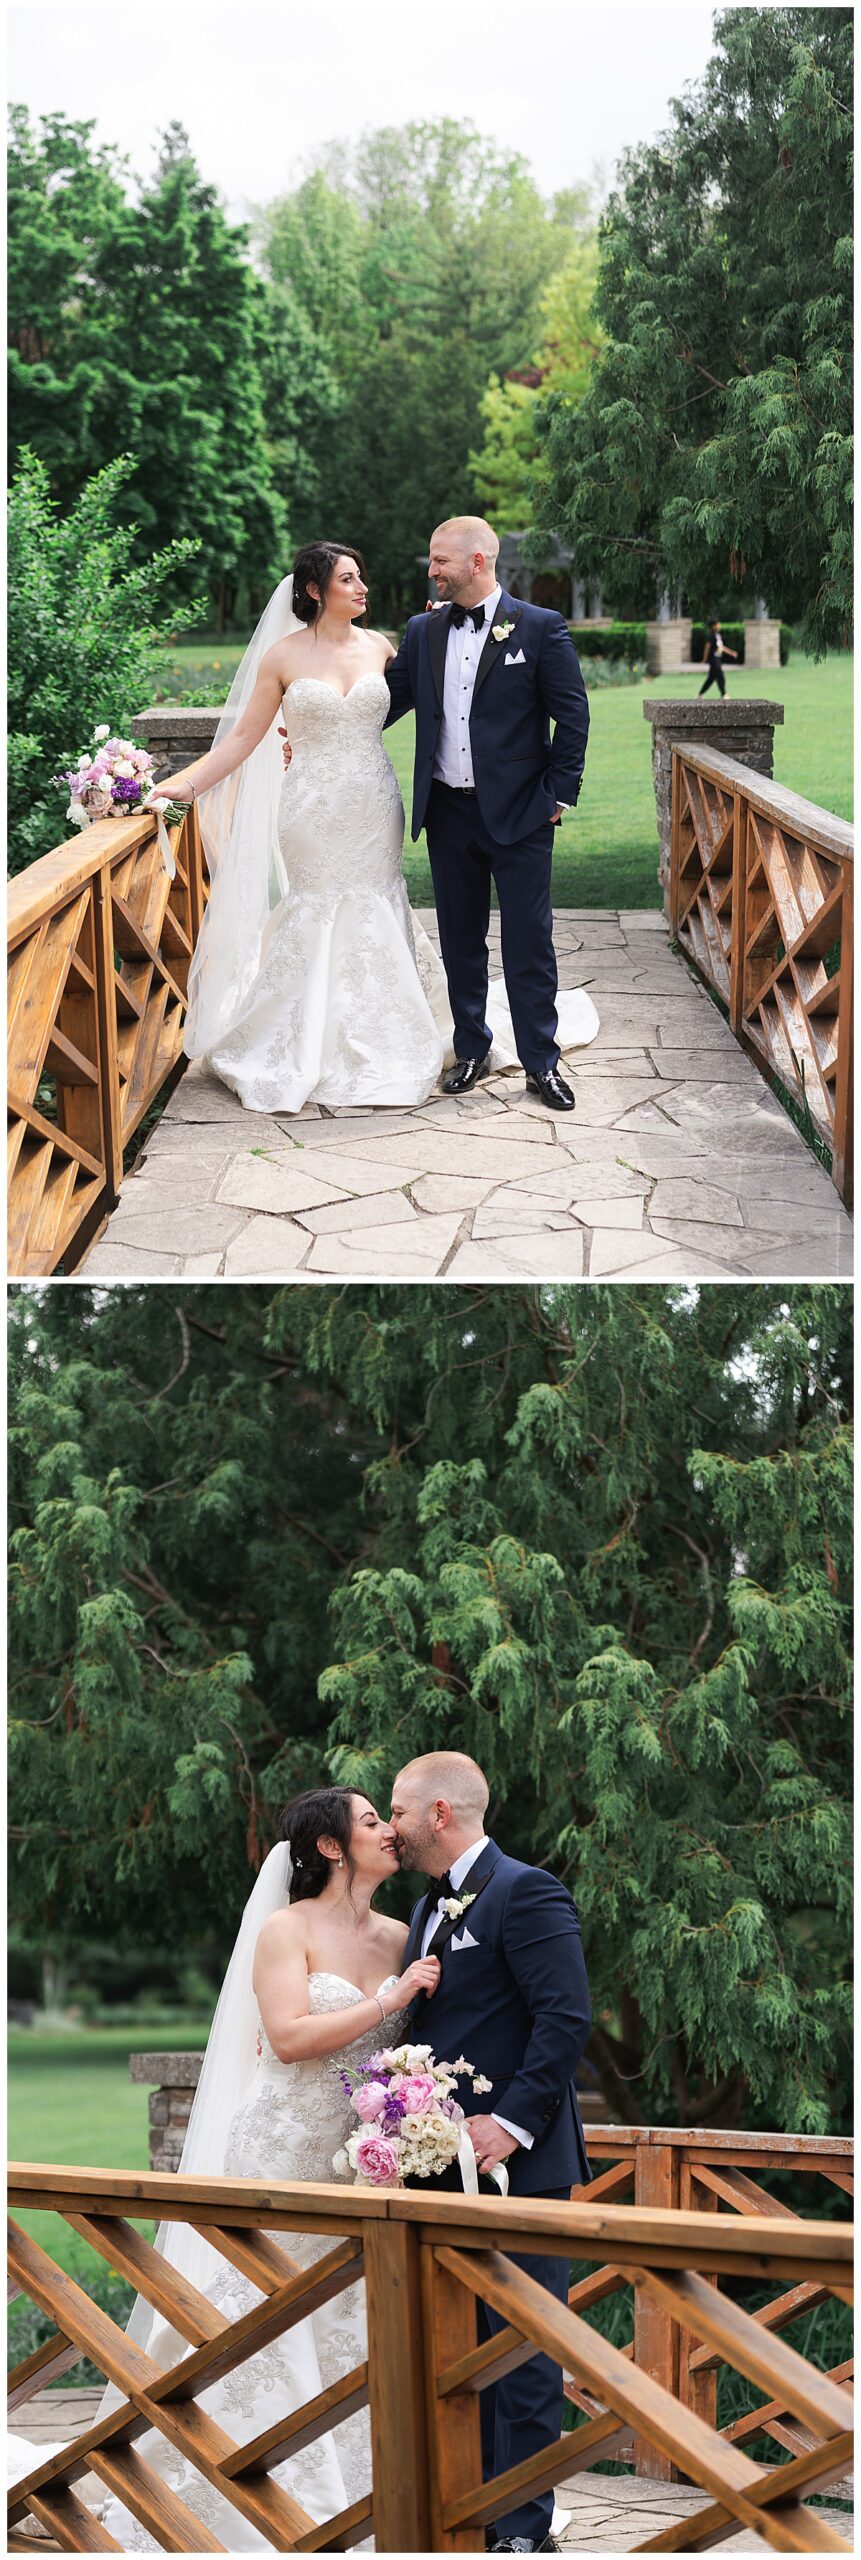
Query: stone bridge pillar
point(175, 734)
point(741, 729)
point(172, 2079)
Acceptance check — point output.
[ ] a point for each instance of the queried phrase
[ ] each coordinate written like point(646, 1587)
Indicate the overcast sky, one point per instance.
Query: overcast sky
point(262, 89)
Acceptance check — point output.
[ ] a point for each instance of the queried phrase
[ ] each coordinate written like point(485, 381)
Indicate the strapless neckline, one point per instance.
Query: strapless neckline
point(320, 1974)
point(374, 676)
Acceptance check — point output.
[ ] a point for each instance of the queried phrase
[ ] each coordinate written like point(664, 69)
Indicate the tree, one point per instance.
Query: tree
point(714, 441)
point(140, 327)
point(420, 274)
point(87, 636)
point(602, 1538)
point(504, 469)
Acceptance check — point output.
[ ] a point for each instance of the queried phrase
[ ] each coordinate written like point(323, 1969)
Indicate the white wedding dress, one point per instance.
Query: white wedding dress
point(293, 2119)
point(349, 1005)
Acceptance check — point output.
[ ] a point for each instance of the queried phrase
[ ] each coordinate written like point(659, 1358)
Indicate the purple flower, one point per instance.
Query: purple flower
point(126, 790)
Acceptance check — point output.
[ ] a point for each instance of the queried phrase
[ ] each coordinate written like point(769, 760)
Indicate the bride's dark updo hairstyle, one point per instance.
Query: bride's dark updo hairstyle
point(322, 1813)
point(316, 562)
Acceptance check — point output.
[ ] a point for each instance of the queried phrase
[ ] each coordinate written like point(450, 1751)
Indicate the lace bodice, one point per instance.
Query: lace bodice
point(326, 1991)
point(316, 715)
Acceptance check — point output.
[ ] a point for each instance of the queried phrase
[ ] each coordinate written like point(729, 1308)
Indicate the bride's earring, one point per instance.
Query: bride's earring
point(340, 1862)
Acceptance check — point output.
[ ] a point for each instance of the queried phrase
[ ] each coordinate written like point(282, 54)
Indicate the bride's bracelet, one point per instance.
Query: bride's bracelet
point(383, 2012)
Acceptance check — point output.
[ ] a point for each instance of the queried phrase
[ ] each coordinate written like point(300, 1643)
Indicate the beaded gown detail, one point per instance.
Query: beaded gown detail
point(340, 1013)
point(290, 2124)
point(350, 1004)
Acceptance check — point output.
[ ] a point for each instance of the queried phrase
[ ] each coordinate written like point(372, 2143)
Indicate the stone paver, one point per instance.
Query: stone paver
point(678, 1162)
point(595, 2511)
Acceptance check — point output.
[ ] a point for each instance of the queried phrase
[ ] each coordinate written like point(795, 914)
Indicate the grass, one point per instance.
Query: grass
point(71, 2100)
point(606, 852)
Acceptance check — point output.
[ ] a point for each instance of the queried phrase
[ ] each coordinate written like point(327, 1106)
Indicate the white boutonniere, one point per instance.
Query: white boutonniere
point(457, 1904)
point(501, 630)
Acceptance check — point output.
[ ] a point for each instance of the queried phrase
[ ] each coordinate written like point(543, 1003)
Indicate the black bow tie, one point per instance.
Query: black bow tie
point(473, 613)
point(444, 1886)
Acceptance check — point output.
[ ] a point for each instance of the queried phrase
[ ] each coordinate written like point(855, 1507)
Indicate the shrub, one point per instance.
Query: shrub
point(85, 644)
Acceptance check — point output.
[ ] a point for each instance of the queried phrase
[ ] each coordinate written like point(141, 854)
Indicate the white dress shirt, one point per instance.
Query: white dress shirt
point(453, 759)
point(458, 1871)
point(453, 762)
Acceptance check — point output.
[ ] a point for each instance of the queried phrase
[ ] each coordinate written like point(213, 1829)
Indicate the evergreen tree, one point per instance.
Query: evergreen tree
point(715, 439)
point(139, 326)
point(602, 1539)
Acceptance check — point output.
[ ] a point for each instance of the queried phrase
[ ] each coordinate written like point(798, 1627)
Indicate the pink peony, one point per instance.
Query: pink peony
point(370, 2101)
point(418, 2094)
point(377, 2160)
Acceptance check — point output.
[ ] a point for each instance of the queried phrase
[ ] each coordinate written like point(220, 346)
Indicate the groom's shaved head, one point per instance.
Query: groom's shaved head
point(438, 1806)
point(452, 1776)
point(462, 565)
point(469, 533)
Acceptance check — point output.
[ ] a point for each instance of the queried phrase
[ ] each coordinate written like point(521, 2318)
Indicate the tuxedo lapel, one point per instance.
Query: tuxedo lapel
point(416, 1928)
point(507, 610)
point(437, 644)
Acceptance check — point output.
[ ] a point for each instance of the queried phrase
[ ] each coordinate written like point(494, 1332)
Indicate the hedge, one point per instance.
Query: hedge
point(628, 640)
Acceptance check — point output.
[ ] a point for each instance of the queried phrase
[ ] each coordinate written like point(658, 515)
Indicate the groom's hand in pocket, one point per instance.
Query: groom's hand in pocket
point(490, 2141)
point(287, 751)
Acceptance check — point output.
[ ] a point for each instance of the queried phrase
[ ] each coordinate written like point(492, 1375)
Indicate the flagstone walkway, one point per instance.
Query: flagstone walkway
point(609, 2511)
point(678, 1162)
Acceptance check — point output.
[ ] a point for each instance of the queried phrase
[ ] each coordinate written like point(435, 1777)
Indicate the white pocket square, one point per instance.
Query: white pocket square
point(518, 661)
point(466, 1939)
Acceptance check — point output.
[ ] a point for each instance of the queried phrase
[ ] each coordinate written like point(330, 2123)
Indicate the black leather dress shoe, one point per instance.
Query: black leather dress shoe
point(518, 2545)
point(462, 1077)
point(551, 1089)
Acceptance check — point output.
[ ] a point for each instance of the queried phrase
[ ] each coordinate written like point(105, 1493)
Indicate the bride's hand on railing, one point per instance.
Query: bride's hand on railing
point(421, 1976)
point(178, 787)
point(287, 751)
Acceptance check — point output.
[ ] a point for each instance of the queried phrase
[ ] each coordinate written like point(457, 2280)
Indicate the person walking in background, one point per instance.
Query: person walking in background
point(715, 650)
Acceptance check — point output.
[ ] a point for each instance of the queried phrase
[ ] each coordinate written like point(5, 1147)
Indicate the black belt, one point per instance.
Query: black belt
point(460, 790)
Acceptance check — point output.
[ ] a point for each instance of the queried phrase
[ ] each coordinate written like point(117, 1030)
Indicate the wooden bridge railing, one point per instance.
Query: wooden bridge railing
point(761, 900)
point(427, 2259)
point(681, 2170)
point(99, 944)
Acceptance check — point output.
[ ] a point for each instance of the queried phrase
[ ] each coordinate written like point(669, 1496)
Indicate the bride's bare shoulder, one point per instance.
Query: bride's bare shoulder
point(286, 1929)
point(382, 644)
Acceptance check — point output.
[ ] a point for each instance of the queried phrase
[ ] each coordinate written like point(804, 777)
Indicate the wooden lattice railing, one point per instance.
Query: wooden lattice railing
point(99, 945)
point(761, 900)
point(427, 2259)
point(676, 2169)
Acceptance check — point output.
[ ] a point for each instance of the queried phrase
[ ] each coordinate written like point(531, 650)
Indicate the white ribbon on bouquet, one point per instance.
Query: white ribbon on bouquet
point(158, 807)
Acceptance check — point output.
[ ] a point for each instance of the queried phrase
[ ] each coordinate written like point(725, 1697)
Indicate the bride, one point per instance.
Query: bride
point(314, 1983)
point(310, 980)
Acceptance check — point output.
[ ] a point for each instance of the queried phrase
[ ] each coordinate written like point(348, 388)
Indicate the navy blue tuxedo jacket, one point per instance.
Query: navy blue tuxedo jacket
point(520, 777)
point(516, 2005)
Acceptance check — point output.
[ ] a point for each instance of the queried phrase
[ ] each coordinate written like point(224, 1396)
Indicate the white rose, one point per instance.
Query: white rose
point(123, 767)
point(341, 2164)
point(77, 813)
point(103, 731)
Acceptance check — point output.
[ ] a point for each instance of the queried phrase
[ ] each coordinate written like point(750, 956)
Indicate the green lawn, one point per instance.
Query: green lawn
point(606, 851)
point(71, 2100)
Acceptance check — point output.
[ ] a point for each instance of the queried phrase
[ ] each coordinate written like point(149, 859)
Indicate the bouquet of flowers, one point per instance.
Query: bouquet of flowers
point(108, 782)
point(410, 2122)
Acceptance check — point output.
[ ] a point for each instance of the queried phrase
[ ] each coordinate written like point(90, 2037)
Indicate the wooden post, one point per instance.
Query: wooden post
point(454, 2424)
point(194, 860)
point(397, 2380)
point(656, 2336)
point(739, 914)
point(841, 1162)
point(109, 1072)
point(676, 843)
point(696, 2390)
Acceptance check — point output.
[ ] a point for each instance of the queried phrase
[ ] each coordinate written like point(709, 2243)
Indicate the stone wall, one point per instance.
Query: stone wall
point(744, 730)
point(175, 735)
point(172, 2079)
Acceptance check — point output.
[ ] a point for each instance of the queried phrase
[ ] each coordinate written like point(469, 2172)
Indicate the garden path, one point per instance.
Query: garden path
point(607, 2511)
point(678, 1162)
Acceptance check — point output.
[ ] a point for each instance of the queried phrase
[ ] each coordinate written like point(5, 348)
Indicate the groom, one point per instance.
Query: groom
point(485, 674)
point(513, 1997)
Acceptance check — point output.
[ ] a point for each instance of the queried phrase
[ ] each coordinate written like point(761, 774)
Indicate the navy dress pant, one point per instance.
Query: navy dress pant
point(464, 861)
